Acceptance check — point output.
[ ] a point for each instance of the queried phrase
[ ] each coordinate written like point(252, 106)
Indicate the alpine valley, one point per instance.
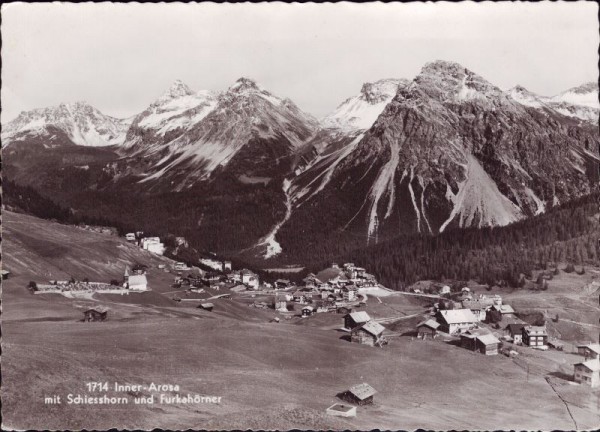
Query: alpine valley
point(247, 174)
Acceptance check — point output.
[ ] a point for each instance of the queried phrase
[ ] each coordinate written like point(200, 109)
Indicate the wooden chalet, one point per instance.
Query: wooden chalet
point(456, 320)
point(360, 394)
point(95, 314)
point(343, 309)
point(535, 336)
point(369, 333)
point(427, 329)
point(589, 351)
point(354, 319)
point(515, 332)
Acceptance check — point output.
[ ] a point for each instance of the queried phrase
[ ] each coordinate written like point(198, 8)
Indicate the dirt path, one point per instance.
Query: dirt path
point(563, 401)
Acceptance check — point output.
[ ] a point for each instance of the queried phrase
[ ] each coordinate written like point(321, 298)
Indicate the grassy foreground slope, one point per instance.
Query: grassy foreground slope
point(270, 376)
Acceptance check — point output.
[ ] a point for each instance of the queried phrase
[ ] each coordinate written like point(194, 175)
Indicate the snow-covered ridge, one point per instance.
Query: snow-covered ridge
point(82, 123)
point(584, 95)
point(359, 112)
point(579, 102)
point(525, 97)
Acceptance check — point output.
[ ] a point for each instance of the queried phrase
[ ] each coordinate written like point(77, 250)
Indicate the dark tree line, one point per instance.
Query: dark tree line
point(569, 233)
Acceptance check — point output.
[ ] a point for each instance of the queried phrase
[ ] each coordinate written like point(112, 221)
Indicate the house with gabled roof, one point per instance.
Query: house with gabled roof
point(369, 333)
point(427, 329)
point(98, 313)
point(589, 351)
point(137, 282)
point(360, 394)
point(515, 332)
point(454, 321)
point(587, 372)
point(535, 336)
point(354, 319)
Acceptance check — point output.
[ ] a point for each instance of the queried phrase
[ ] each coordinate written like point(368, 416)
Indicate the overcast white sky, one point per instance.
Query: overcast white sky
point(120, 57)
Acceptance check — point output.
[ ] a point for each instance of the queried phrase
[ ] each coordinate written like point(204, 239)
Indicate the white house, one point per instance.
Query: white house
point(456, 320)
point(588, 373)
point(153, 244)
point(589, 351)
point(212, 263)
point(130, 237)
point(250, 279)
point(137, 283)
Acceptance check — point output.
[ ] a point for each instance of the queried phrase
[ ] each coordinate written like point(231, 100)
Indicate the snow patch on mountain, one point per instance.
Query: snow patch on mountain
point(273, 248)
point(82, 123)
point(382, 185)
point(585, 95)
point(361, 111)
point(525, 97)
point(479, 202)
point(332, 161)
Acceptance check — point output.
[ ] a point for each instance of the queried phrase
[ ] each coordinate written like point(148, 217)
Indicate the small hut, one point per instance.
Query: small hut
point(360, 394)
point(307, 311)
point(427, 329)
point(369, 333)
point(95, 314)
point(206, 306)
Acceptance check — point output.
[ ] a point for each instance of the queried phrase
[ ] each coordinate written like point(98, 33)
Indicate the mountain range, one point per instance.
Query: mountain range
point(245, 171)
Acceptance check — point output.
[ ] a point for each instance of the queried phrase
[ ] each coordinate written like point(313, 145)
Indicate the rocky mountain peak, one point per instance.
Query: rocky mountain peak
point(243, 85)
point(450, 81)
point(381, 90)
point(177, 89)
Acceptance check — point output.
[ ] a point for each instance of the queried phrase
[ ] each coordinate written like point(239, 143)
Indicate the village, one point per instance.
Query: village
point(474, 321)
point(341, 316)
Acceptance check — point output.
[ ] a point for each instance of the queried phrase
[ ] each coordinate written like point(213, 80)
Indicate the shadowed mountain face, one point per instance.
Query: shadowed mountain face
point(244, 169)
point(452, 150)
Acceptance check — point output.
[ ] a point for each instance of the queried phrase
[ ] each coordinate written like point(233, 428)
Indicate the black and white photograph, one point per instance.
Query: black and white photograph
point(300, 216)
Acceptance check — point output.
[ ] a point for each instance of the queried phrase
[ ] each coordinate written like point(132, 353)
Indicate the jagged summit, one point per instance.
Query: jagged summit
point(176, 90)
point(585, 95)
point(378, 91)
point(244, 84)
point(449, 81)
point(360, 112)
point(81, 123)
point(584, 88)
point(525, 97)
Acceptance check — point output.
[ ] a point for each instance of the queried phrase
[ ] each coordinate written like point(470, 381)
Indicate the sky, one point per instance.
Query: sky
point(121, 57)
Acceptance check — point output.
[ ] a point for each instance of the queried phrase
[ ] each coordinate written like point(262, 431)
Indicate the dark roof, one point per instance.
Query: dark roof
point(371, 327)
point(515, 328)
point(99, 309)
point(432, 324)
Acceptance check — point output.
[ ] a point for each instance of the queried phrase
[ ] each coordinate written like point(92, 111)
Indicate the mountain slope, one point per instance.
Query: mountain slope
point(185, 137)
point(579, 102)
point(76, 123)
point(450, 150)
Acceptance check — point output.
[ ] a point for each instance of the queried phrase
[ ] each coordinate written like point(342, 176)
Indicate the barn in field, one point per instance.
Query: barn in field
point(95, 314)
point(427, 329)
point(369, 333)
point(481, 341)
point(206, 306)
point(355, 319)
point(360, 394)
